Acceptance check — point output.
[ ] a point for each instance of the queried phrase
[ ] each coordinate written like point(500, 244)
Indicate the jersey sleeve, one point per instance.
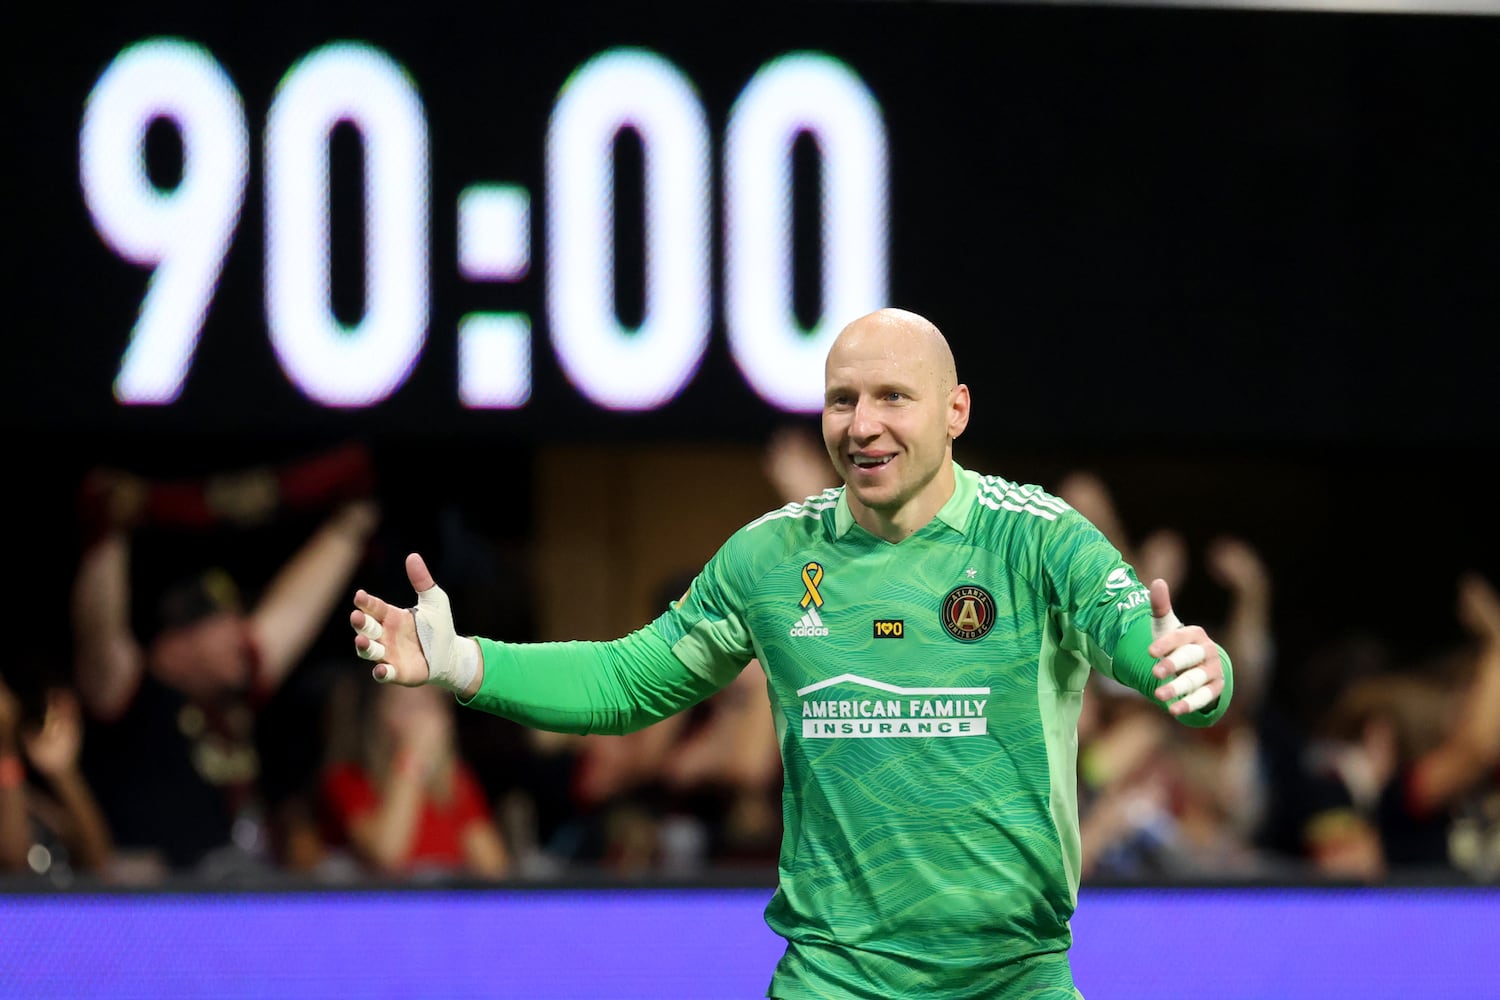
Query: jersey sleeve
point(1133, 666)
point(695, 648)
point(1107, 612)
point(610, 687)
point(706, 626)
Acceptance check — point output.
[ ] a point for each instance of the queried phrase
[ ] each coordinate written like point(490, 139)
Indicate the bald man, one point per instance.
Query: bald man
point(926, 633)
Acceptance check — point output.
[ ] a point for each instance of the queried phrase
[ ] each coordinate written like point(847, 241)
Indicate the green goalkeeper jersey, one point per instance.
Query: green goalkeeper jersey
point(926, 696)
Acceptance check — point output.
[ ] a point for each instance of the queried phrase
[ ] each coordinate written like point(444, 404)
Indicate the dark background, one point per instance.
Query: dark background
point(1241, 262)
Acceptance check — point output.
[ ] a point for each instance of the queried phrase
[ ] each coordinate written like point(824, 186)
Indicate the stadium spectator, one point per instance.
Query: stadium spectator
point(50, 822)
point(1409, 762)
point(173, 699)
point(1292, 750)
point(1126, 822)
point(406, 804)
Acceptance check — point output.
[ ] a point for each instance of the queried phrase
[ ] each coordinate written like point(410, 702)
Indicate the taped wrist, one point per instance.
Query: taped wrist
point(452, 661)
point(1168, 622)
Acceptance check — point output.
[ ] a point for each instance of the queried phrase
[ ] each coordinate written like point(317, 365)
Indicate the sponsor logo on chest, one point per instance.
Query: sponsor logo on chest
point(851, 706)
point(870, 709)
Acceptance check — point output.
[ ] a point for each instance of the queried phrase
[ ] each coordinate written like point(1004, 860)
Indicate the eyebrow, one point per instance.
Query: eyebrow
point(905, 388)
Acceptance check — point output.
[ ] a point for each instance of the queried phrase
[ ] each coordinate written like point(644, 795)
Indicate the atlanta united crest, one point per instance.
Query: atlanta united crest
point(968, 613)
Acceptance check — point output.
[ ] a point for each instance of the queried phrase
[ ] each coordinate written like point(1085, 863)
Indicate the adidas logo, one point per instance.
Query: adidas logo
point(809, 624)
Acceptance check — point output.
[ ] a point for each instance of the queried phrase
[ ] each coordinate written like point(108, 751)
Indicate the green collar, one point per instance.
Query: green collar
point(954, 513)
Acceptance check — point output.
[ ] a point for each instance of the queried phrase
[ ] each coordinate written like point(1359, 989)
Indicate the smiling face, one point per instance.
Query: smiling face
point(892, 406)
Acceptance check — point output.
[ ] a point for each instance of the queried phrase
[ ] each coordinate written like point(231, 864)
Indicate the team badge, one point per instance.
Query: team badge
point(968, 613)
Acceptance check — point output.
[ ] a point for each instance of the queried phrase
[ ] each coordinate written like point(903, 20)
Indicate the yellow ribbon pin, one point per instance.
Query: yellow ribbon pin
point(812, 575)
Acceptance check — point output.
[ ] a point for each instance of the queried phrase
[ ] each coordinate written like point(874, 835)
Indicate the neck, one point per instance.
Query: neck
point(899, 523)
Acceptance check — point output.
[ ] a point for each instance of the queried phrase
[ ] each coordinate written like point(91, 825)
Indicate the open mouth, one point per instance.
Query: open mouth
point(872, 461)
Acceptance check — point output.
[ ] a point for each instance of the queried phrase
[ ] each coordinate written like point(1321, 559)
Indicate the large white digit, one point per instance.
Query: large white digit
point(363, 363)
point(621, 368)
point(818, 95)
point(183, 234)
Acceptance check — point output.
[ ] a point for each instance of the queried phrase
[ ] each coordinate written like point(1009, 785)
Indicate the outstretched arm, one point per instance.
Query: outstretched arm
point(574, 687)
point(302, 596)
point(1239, 569)
point(109, 659)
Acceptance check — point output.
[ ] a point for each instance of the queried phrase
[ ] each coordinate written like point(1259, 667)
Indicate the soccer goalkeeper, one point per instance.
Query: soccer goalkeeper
point(926, 632)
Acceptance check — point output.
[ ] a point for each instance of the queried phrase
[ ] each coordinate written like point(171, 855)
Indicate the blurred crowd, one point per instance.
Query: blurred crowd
point(207, 721)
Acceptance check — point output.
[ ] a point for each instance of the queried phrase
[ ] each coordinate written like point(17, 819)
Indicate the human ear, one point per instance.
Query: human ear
point(958, 410)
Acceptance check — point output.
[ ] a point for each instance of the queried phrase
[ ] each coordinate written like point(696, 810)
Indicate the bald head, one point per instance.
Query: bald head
point(892, 407)
point(904, 339)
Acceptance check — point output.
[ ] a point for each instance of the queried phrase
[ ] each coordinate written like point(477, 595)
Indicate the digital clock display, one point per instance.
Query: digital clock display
point(183, 235)
point(566, 221)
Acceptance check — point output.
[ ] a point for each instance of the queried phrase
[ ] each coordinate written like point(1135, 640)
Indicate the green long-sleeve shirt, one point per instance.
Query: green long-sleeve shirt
point(926, 697)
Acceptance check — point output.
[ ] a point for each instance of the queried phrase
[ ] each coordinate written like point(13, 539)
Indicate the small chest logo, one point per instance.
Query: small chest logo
point(968, 613)
point(810, 624)
point(889, 628)
point(812, 575)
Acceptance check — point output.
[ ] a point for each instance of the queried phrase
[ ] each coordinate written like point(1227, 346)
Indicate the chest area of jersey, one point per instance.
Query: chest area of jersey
point(952, 617)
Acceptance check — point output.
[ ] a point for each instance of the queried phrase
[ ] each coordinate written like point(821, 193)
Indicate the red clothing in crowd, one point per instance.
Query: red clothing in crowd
point(348, 794)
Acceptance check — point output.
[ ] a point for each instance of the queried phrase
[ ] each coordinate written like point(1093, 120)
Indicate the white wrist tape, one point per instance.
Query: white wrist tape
point(452, 662)
point(1167, 623)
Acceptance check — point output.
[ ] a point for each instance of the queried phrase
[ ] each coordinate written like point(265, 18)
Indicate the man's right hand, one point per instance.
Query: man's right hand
point(414, 646)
